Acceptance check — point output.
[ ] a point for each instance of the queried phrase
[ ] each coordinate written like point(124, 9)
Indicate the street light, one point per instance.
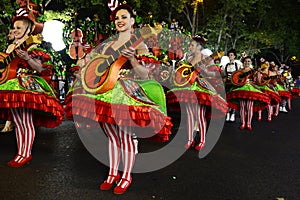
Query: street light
point(53, 33)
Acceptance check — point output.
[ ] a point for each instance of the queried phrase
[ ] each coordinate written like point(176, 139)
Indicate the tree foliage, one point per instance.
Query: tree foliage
point(253, 26)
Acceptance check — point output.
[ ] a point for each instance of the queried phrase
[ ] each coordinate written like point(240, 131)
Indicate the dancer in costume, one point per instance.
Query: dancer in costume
point(262, 79)
point(195, 85)
point(136, 103)
point(216, 79)
point(277, 84)
point(288, 83)
point(229, 68)
point(11, 35)
point(27, 98)
point(246, 98)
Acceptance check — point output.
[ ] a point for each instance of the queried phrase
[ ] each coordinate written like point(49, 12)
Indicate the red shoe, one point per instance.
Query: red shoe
point(249, 127)
point(22, 161)
point(122, 186)
point(242, 127)
point(269, 119)
point(259, 119)
point(106, 185)
point(189, 144)
point(200, 146)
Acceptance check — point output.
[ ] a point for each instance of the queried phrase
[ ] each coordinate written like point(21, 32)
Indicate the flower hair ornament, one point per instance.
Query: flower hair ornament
point(262, 60)
point(263, 63)
point(244, 55)
point(272, 64)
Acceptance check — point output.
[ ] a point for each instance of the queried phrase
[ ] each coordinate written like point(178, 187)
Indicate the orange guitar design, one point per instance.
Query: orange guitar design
point(100, 74)
point(239, 77)
point(187, 74)
point(6, 71)
point(266, 79)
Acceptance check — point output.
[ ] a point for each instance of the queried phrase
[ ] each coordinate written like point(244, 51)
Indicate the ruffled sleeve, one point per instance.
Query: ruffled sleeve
point(46, 63)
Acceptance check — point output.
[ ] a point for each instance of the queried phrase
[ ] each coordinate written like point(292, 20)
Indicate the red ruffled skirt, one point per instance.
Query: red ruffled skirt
point(202, 98)
point(91, 112)
point(247, 92)
point(295, 92)
point(48, 111)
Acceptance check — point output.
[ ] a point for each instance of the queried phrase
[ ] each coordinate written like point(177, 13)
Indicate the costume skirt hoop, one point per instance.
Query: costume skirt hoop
point(202, 94)
point(35, 93)
point(284, 94)
point(295, 92)
point(130, 103)
point(274, 96)
point(247, 92)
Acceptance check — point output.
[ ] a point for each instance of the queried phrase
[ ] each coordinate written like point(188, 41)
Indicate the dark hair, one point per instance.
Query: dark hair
point(231, 51)
point(247, 57)
point(120, 7)
point(199, 39)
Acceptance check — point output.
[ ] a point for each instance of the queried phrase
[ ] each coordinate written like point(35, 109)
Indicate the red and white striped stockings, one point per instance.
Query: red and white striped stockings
point(120, 143)
point(246, 113)
point(270, 113)
point(25, 132)
point(196, 115)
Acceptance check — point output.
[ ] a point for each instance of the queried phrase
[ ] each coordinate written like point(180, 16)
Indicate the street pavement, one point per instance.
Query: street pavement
point(262, 164)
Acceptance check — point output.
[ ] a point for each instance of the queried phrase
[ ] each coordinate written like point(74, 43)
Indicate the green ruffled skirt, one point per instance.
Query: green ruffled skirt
point(130, 103)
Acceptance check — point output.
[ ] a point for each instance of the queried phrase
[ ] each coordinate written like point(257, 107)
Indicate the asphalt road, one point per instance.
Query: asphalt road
point(262, 164)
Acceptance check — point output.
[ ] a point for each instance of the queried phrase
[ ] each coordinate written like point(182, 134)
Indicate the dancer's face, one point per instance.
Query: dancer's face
point(194, 47)
point(11, 34)
point(20, 27)
point(247, 62)
point(123, 20)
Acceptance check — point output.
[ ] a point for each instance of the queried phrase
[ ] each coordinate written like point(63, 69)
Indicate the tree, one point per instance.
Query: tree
point(228, 24)
point(254, 26)
point(5, 21)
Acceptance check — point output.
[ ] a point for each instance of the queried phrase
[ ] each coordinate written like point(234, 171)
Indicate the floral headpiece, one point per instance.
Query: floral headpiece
point(272, 64)
point(245, 56)
point(262, 60)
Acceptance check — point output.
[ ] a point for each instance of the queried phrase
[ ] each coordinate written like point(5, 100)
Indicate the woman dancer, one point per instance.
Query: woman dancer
point(277, 84)
point(27, 98)
point(197, 109)
point(247, 98)
point(137, 102)
point(262, 81)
